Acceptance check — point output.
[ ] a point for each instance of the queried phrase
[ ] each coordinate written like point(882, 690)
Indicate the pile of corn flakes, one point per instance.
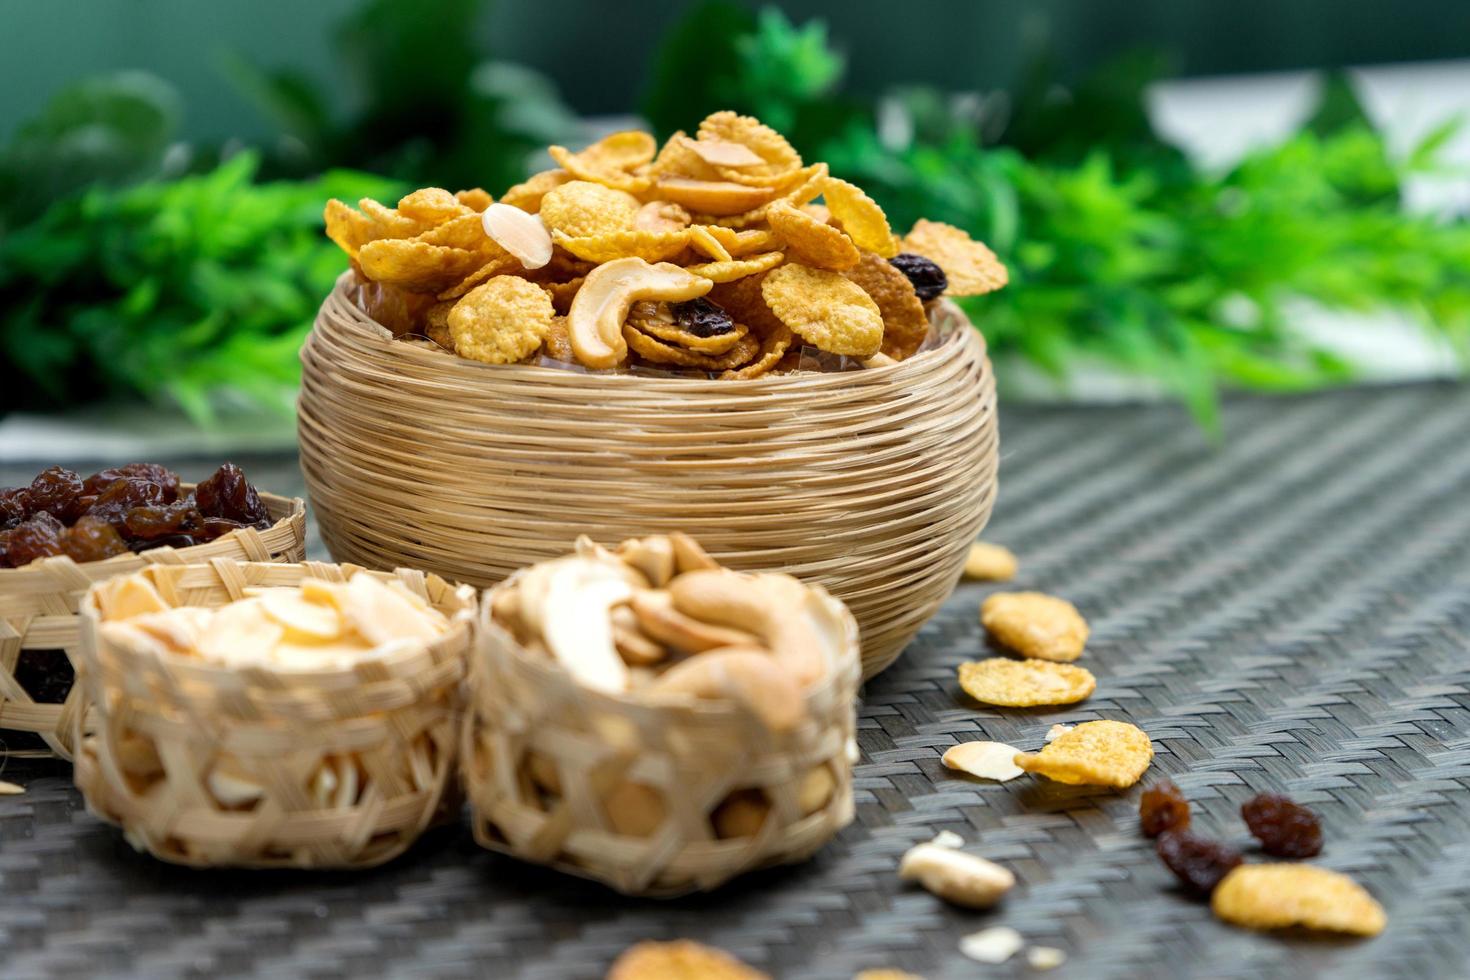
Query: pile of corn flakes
point(720, 254)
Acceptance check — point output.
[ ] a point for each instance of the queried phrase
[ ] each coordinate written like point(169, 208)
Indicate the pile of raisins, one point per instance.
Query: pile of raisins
point(125, 508)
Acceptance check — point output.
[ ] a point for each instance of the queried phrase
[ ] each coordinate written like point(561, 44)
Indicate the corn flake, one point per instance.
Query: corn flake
point(809, 241)
point(501, 322)
point(505, 265)
point(1280, 896)
point(713, 197)
point(652, 349)
point(466, 231)
point(988, 562)
point(707, 242)
point(431, 206)
point(348, 227)
point(656, 320)
point(582, 209)
point(1035, 624)
point(528, 194)
point(661, 216)
point(610, 161)
point(728, 127)
point(678, 158)
point(416, 266)
point(739, 243)
point(905, 323)
point(388, 222)
point(682, 959)
point(1025, 683)
point(861, 217)
point(738, 268)
point(774, 346)
point(650, 246)
point(826, 309)
point(1095, 753)
point(476, 198)
point(558, 342)
point(743, 300)
point(971, 267)
point(562, 293)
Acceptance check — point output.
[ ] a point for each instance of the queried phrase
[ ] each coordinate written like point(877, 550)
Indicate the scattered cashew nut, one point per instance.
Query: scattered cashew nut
point(595, 321)
point(955, 876)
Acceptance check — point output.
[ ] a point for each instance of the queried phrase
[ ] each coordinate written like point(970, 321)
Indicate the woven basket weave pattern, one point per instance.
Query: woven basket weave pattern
point(395, 718)
point(871, 483)
point(38, 607)
point(692, 756)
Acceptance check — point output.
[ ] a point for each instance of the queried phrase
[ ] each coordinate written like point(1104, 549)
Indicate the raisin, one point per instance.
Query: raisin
point(216, 527)
point(92, 539)
point(167, 541)
point(15, 506)
point(229, 495)
point(1198, 862)
point(39, 537)
point(163, 520)
point(702, 318)
point(1162, 808)
point(46, 675)
point(1284, 828)
point(166, 479)
point(123, 495)
point(928, 279)
point(58, 492)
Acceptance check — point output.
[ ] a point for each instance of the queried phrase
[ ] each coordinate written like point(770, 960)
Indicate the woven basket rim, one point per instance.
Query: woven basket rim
point(949, 320)
point(288, 507)
point(397, 654)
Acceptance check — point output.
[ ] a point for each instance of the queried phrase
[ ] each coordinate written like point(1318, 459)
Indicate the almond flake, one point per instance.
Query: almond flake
point(522, 235)
point(988, 760)
point(1056, 731)
point(992, 945)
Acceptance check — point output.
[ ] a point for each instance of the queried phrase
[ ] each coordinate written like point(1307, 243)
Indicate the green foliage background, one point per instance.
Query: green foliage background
point(134, 267)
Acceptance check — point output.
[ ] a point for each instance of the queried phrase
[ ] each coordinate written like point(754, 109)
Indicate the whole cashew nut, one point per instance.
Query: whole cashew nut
point(784, 617)
point(661, 621)
point(748, 675)
point(595, 320)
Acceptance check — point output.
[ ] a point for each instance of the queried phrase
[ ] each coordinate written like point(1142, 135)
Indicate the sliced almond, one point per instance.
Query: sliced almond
point(382, 615)
point(723, 153)
point(988, 760)
point(132, 595)
point(240, 634)
point(519, 233)
point(290, 609)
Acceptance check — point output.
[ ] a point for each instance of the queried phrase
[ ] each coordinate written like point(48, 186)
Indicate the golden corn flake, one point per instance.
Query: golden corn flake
point(861, 217)
point(990, 563)
point(610, 161)
point(825, 309)
point(558, 342)
point(431, 205)
point(722, 153)
point(562, 293)
point(661, 216)
point(772, 148)
point(712, 197)
point(418, 266)
point(466, 231)
point(652, 349)
point(806, 186)
point(743, 300)
point(809, 241)
point(774, 346)
point(582, 209)
point(506, 264)
point(971, 268)
point(1035, 624)
point(501, 322)
point(1095, 753)
point(739, 243)
point(348, 227)
point(388, 222)
point(656, 320)
point(1025, 683)
point(905, 323)
point(678, 158)
point(650, 246)
point(682, 959)
point(528, 194)
point(1280, 896)
point(436, 324)
point(738, 268)
point(477, 199)
point(706, 242)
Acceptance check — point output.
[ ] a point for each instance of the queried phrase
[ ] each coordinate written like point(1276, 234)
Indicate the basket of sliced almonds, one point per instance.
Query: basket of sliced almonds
point(272, 715)
point(648, 719)
point(714, 336)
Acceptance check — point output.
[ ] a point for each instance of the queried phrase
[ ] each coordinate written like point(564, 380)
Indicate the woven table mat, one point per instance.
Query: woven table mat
point(1290, 612)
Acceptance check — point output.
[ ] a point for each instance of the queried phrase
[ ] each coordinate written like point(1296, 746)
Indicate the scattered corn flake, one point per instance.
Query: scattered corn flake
point(655, 350)
point(610, 161)
point(724, 153)
point(739, 243)
point(708, 243)
point(905, 322)
point(505, 265)
point(679, 158)
point(650, 246)
point(988, 562)
point(738, 268)
point(1280, 896)
point(681, 959)
point(348, 227)
point(987, 760)
point(742, 299)
point(809, 241)
point(826, 309)
point(1025, 683)
point(774, 346)
point(948, 838)
point(10, 789)
point(466, 231)
point(431, 206)
point(861, 217)
point(562, 293)
point(528, 194)
point(388, 222)
point(518, 233)
point(416, 266)
point(1035, 624)
point(501, 322)
point(661, 216)
point(558, 342)
point(582, 209)
point(1056, 731)
point(476, 198)
point(971, 267)
point(713, 197)
point(772, 148)
point(1045, 957)
point(656, 320)
point(1095, 753)
point(994, 945)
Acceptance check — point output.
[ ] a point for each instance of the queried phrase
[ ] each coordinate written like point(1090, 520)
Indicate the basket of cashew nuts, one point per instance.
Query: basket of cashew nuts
point(648, 719)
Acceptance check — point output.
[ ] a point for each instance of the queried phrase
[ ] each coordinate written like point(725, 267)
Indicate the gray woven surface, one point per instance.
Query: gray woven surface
point(1290, 613)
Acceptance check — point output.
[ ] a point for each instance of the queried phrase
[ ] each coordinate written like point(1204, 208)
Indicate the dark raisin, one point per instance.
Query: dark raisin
point(92, 539)
point(167, 541)
point(15, 506)
point(39, 537)
point(216, 527)
point(1284, 828)
point(162, 520)
point(1162, 808)
point(166, 479)
point(929, 280)
point(58, 492)
point(702, 318)
point(1198, 862)
point(46, 675)
point(123, 495)
point(229, 495)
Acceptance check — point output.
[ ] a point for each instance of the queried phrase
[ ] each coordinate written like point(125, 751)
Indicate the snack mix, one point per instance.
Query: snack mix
point(718, 255)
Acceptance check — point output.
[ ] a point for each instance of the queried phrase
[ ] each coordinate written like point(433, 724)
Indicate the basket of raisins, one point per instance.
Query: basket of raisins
point(63, 532)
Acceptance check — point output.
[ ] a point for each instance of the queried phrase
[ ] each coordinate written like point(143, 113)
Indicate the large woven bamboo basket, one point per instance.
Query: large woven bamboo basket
point(383, 732)
point(872, 483)
point(38, 610)
point(528, 718)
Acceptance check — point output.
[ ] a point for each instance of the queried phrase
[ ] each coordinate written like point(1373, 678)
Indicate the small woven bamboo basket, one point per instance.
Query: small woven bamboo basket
point(527, 717)
point(873, 483)
point(380, 736)
point(38, 610)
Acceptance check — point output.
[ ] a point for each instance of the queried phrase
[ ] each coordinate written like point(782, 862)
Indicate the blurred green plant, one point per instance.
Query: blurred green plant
point(1120, 250)
point(196, 291)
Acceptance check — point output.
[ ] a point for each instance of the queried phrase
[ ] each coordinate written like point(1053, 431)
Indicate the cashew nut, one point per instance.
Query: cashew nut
point(748, 675)
point(637, 649)
point(660, 620)
point(653, 556)
point(816, 790)
point(713, 196)
point(543, 773)
point(741, 814)
point(634, 809)
point(576, 622)
point(956, 876)
point(595, 321)
point(781, 616)
point(688, 555)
